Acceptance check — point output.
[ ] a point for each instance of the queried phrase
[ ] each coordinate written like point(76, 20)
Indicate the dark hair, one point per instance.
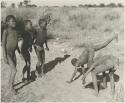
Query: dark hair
point(73, 61)
point(41, 20)
point(10, 17)
point(27, 21)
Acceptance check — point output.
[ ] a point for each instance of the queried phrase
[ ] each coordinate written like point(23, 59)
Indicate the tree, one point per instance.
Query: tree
point(26, 2)
point(20, 4)
point(120, 5)
point(102, 5)
point(13, 5)
point(3, 4)
point(80, 5)
point(112, 5)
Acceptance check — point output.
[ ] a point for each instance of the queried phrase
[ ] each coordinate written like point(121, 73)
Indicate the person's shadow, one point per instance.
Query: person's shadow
point(100, 80)
point(48, 67)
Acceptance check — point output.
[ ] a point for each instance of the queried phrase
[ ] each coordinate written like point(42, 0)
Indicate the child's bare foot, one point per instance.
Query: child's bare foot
point(96, 94)
point(13, 91)
point(83, 82)
point(40, 75)
point(47, 49)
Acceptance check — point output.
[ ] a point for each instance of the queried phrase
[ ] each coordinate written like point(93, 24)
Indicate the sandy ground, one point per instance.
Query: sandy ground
point(53, 86)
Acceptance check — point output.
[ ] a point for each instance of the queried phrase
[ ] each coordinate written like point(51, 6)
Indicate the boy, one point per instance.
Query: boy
point(41, 38)
point(10, 44)
point(26, 48)
point(102, 64)
point(87, 56)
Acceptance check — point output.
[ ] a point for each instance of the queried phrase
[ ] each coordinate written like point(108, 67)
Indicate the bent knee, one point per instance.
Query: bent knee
point(14, 70)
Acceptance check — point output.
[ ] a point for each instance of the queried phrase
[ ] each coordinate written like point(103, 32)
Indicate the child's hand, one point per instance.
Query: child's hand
point(30, 49)
point(47, 49)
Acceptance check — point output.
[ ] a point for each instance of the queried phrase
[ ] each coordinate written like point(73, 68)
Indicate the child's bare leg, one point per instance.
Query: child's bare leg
point(103, 45)
point(28, 70)
point(38, 70)
point(42, 62)
point(42, 68)
point(112, 83)
point(94, 79)
point(83, 72)
point(13, 73)
point(104, 80)
point(97, 69)
point(38, 65)
point(28, 63)
point(24, 71)
point(26, 56)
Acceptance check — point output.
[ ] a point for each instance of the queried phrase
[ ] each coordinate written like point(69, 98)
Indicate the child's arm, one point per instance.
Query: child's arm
point(90, 62)
point(73, 75)
point(90, 59)
point(46, 45)
point(34, 35)
point(4, 39)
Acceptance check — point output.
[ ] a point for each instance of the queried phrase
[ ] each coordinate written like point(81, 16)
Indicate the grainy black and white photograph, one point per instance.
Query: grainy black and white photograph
point(62, 51)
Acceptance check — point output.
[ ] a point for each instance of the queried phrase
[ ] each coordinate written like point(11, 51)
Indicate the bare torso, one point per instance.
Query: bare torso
point(12, 41)
point(84, 57)
point(106, 62)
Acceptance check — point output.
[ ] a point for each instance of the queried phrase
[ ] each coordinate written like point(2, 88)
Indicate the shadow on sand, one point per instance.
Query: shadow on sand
point(100, 78)
point(48, 67)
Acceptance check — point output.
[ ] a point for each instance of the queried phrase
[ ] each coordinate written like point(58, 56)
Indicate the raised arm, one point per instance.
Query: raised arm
point(73, 75)
point(88, 71)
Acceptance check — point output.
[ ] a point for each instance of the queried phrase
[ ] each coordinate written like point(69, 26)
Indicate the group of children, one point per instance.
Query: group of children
point(29, 37)
point(96, 65)
point(37, 38)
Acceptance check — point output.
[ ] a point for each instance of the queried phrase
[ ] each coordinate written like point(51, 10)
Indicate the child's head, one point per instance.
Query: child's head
point(42, 23)
point(28, 24)
point(73, 61)
point(11, 21)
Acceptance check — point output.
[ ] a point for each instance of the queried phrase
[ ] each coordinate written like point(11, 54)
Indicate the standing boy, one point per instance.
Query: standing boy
point(10, 44)
point(41, 38)
point(26, 48)
point(87, 56)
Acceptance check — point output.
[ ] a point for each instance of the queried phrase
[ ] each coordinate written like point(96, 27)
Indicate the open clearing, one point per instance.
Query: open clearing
point(53, 86)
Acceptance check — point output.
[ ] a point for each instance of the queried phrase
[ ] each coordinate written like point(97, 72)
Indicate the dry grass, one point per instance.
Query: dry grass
point(69, 23)
point(73, 26)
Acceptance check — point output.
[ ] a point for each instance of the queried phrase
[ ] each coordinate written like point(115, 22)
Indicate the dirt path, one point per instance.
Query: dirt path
point(53, 86)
